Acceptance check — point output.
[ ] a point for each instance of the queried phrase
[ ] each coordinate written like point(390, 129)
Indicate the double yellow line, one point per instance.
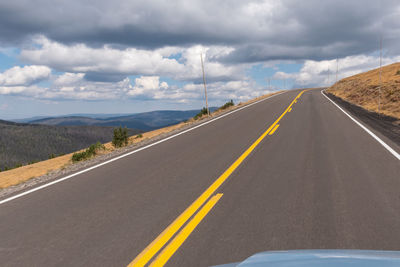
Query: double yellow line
point(154, 247)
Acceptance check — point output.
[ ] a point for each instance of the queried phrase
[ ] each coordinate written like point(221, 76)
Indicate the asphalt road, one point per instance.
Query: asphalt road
point(319, 181)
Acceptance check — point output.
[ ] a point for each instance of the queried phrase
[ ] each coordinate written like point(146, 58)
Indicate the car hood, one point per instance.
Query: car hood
point(325, 258)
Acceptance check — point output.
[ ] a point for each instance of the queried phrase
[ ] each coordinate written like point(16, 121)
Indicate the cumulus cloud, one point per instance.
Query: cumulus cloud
point(71, 86)
point(31, 90)
point(111, 64)
point(68, 79)
point(80, 58)
point(147, 86)
point(21, 76)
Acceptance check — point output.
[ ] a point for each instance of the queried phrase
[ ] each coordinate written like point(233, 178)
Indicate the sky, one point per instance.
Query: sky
point(123, 56)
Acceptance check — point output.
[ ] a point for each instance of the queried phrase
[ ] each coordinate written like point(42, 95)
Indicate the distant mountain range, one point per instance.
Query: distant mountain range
point(89, 115)
point(142, 121)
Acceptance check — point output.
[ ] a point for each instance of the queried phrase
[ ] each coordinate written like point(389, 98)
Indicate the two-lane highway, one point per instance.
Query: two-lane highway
point(317, 180)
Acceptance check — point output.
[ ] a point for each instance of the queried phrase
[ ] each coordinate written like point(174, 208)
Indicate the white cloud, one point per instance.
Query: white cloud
point(72, 89)
point(31, 90)
point(80, 58)
point(68, 79)
point(147, 86)
point(215, 71)
point(110, 62)
point(77, 88)
point(26, 75)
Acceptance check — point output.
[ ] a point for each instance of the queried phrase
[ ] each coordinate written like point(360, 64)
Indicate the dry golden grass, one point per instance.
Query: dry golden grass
point(21, 174)
point(24, 173)
point(363, 90)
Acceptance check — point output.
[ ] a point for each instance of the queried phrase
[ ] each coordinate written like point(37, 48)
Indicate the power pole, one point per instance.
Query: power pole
point(329, 76)
point(284, 83)
point(337, 68)
point(204, 81)
point(380, 73)
point(269, 83)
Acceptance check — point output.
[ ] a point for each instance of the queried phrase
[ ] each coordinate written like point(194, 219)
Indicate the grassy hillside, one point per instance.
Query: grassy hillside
point(363, 90)
point(25, 143)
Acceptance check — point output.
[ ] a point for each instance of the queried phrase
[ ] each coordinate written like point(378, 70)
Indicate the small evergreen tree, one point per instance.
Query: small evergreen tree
point(120, 137)
point(202, 112)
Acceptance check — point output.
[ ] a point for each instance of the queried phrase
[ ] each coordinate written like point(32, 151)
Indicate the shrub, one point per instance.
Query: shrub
point(202, 112)
point(227, 105)
point(18, 165)
point(120, 137)
point(52, 156)
point(89, 152)
point(398, 72)
point(138, 136)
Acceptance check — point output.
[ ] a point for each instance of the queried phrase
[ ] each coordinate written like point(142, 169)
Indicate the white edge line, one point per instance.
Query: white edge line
point(391, 150)
point(131, 152)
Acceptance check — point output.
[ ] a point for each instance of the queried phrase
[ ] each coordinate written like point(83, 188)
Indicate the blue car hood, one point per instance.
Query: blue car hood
point(321, 258)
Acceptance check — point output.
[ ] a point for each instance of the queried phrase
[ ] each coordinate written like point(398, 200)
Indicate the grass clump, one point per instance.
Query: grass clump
point(88, 153)
point(202, 112)
point(120, 137)
point(227, 105)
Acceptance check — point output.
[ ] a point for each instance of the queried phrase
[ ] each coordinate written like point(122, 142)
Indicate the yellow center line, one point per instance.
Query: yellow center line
point(145, 256)
point(173, 246)
point(273, 130)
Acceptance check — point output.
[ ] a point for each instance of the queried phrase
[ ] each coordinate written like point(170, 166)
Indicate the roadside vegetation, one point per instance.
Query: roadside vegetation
point(227, 105)
point(120, 137)
point(202, 112)
point(91, 151)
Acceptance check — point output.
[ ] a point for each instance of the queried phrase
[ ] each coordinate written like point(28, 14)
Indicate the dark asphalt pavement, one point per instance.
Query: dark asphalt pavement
point(320, 181)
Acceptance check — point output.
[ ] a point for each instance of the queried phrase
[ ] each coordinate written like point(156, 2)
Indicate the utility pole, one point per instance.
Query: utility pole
point(284, 83)
point(269, 83)
point(337, 68)
point(380, 74)
point(204, 81)
point(329, 76)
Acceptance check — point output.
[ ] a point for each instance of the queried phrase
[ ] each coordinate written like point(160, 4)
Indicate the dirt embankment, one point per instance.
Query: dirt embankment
point(363, 90)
